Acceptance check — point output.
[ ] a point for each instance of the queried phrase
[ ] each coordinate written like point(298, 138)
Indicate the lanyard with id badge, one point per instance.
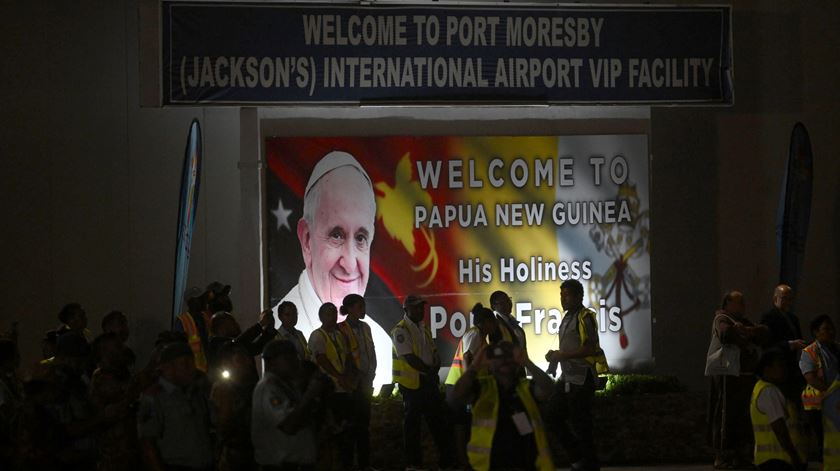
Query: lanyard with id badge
point(519, 417)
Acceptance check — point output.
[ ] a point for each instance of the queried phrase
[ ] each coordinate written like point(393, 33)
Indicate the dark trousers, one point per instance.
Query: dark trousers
point(461, 428)
point(573, 421)
point(425, 402)
point(343, 408)
point(361, 425)
point(730, 428)
point(815, 418)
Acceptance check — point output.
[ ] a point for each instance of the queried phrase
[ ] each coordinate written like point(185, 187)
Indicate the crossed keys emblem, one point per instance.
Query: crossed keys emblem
point(622, 242)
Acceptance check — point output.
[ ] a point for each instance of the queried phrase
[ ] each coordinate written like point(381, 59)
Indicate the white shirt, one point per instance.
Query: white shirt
point(771, 402)
point(273, 401)
point(318, 346)
point(303, 296)
point(472, 341)
point(402, 340)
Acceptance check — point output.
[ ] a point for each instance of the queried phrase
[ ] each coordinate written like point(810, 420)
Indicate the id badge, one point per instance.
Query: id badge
point(523, 425)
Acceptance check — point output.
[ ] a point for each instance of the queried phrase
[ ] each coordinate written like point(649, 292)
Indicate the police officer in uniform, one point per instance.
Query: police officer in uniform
point(415, 369)
point(581, 360)
point(173, 420)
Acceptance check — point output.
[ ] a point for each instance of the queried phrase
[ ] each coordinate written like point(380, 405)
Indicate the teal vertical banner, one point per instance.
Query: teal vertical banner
point(190, 179)
point(795, 208)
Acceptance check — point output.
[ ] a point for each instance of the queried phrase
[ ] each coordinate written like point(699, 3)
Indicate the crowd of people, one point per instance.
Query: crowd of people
point(773, 403)
point(215, 396)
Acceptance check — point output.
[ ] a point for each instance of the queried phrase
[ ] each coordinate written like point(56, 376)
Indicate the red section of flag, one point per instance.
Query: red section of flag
point(291, 161)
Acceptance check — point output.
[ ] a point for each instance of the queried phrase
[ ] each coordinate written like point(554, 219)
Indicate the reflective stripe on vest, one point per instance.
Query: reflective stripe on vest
point(307, 355)
point(457, 368)
point(335, 349)
point(355, 351)
point(811, 396)
point(194, 339)
point(401, 372)
point(507, 332)
point(345, 329)
point(485, 414)
point(599, 360)
point(767, 446)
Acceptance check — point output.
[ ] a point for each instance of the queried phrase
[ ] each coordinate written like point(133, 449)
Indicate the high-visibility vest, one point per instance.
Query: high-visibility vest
point(599, 360)
point(194, 338)
point(298, 335)
point(485, 414)
point(401, 372)
point(355, 351)
point(811, 396)
point(767, 446)
point(505, 329)
point(335, 349)
point(831, 434)
point(457, 368)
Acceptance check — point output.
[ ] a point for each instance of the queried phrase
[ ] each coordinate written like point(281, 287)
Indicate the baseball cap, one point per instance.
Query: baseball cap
point(413, 300)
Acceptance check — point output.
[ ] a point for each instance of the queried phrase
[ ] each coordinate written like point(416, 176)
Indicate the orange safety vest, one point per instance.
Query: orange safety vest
point(457, 368)
point(811, 396)
point(194, 338)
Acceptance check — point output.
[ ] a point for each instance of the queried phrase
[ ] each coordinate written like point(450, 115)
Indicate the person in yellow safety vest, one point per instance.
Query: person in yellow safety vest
point(581, 360)
point(484, 326)
point(509, 328)
point(359, 339)
point(507, 428)
point(818, 364)
point(415, 368)
point(332, 354)
point(831, 427)
point(778, 440)
point(195, 323)
point(288, 315)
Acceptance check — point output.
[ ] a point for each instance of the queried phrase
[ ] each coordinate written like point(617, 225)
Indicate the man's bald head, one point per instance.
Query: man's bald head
point(733, 303)
point(783, 298)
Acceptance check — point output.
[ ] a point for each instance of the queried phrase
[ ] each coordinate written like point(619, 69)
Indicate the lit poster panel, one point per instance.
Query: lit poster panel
point(456, 218)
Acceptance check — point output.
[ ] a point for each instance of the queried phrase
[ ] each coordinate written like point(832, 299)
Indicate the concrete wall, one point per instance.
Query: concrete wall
point(717, 174)
point(91, 179)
